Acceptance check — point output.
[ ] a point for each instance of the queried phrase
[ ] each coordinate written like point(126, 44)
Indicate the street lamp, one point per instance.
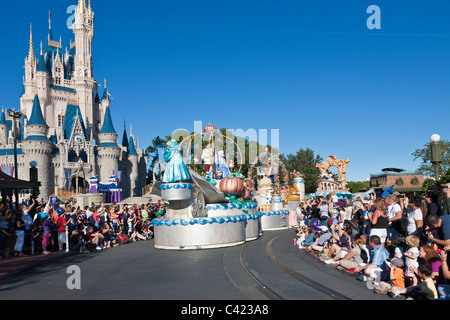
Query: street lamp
point(436, 155)
point(16, 115)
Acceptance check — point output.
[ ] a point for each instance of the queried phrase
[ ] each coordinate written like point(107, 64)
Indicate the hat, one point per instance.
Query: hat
point(323, 228)
point(397, 261)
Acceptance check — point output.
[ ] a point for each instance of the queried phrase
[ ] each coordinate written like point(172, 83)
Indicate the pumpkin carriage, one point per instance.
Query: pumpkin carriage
point(211, 204)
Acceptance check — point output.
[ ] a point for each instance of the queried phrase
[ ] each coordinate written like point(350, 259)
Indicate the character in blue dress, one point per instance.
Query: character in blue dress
point(176, 169)
point(220, 164)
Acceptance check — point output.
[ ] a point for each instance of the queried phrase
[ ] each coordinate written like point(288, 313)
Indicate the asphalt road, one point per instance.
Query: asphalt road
point(269, 268)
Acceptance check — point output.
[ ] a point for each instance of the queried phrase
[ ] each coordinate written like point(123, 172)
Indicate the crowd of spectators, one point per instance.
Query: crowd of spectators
point(42, 228)
point(396, 243)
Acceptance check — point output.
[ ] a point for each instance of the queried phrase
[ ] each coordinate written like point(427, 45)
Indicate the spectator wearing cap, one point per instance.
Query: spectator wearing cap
point(396, 281)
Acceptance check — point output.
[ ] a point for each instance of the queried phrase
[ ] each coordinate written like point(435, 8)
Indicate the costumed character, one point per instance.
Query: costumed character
point(176, 169)
point(220, 164)
point(207, 155)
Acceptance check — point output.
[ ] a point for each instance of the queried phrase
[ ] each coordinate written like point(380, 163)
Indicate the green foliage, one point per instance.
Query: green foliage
point(355, 186)
point(304, 161)
point(424, 154)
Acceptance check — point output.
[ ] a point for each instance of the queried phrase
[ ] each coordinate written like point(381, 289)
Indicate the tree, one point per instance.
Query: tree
point(304, 161)
point(355, 186)
point(424, 154)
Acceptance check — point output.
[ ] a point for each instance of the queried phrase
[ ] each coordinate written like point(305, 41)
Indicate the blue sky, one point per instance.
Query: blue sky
point(311, 69)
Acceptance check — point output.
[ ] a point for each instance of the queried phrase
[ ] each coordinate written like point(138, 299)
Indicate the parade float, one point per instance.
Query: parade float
point(213, 210)
point(327, 185)
point(276, 200)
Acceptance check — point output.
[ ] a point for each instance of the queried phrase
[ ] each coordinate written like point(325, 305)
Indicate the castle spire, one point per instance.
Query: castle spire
point(36, 117)
point(31, 56)
point(82, 6)
point(50, 35)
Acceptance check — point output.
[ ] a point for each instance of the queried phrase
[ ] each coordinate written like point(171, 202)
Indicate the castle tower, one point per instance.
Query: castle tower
point(42, 81)
point(83, 78)
point(29, 79)
point(30, 66)
point(108, 149)
point(133, 158)
point(38, 147)
point(4, 128)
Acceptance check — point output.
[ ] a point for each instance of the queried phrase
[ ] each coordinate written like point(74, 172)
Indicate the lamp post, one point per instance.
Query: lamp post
point(16, 115)
point(436, 155)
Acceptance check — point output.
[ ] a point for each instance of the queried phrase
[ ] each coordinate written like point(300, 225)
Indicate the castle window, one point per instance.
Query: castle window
point(60, 120)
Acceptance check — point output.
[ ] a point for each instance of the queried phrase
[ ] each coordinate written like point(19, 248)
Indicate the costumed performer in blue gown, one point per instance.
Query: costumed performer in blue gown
point(176, 169)
point(220, 164)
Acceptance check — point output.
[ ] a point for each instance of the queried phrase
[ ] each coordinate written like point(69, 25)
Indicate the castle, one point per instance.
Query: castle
point(66, 129)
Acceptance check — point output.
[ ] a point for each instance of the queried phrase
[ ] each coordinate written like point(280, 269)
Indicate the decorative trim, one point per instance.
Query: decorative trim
point(276, 201)
point(175, 186)
point(271, 213)
point(226, 206)
point(204, 221)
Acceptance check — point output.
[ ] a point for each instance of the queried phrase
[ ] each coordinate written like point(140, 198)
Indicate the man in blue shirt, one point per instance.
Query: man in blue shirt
point(378, 257)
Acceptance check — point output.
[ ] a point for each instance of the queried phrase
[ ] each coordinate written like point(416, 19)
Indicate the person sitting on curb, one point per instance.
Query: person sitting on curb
point(372, 272)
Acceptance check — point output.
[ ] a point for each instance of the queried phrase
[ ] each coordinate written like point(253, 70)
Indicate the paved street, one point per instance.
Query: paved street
point(139, 271)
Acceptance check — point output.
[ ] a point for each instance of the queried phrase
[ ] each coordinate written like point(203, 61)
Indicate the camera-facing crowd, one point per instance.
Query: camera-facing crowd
point(396, 243)
point(42, 228)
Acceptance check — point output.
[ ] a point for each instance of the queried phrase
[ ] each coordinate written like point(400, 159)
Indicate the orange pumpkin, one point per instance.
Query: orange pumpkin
point(233, 186)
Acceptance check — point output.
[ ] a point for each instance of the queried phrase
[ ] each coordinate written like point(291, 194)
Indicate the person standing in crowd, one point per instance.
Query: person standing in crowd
point(394, 212)
point(379, 221)
point(20, 234)
point(415, 218)
point(432, 199)
point(446, 191)
point(5, 215)
point(61, 224)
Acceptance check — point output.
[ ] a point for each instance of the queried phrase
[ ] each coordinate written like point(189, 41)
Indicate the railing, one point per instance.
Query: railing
point(328, 185)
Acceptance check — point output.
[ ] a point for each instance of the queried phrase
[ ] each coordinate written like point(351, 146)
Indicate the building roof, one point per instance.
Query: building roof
point(36, 117)
point(131, 147)
point(3, 118)
point(125, 137)
point(72, 112)
point(108, 126)
point(41, 64)
point(8, 182)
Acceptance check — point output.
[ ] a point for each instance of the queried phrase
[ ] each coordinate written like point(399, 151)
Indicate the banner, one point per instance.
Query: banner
point(9, 170)
point(68, 173)
point(118, 174)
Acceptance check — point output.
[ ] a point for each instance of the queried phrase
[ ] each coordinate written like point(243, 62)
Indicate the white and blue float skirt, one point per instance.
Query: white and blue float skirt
point(224, 224)
point(274, 220)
